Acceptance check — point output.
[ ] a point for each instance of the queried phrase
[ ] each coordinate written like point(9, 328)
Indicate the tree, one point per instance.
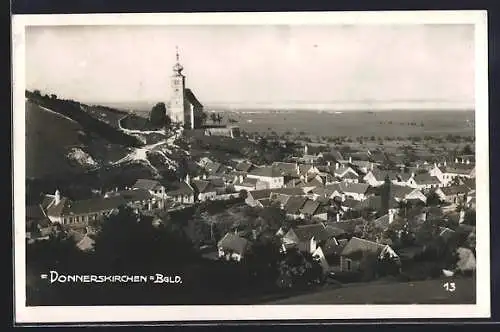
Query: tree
point(158, 115)
point(273, 217)
point(433, 199)
point(467, 150)
point(213, 117)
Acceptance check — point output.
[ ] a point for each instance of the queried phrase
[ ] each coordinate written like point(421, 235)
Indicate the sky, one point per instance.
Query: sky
point(257, 65)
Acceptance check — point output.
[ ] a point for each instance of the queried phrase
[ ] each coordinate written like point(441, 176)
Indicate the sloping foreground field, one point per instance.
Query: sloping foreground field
point(418, 292)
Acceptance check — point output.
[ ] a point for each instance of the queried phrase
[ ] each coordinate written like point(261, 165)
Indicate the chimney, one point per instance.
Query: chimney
point(343, 197)
point(338, 217)
point(412, 174)
point(444, 163)
point(435, 165)
point(336, 165)
point(204, 176)
point(241, 178)
point(371, 166)
point(188, 179)
point(467, 161)
point(350, 159)
point(456, 160)
point(297, 169)
point(328, 163)
point(57, 197)
point(391, 216)
point(305, 149)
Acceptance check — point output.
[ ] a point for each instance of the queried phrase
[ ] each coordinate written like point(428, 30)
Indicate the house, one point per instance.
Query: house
point(140, 199)
point(424, 181)
point(153, 186)
point(364, 166)
point(309, 208)
point(268, 174)
point(213, 168)
point(332, 249)
point(357, 191)
point(404, 194)
point(254, 198)
point(450, 172)
point(377, 177)
point(386, 220)
point(36, 220)
point(344, 171)
point(204, 190)
point(353, 252)
point(294, 205)
point(233, 247)
point(288, 170)
point(184, 193)
point(64, 211)
point(455, 194)
point(244, 167)
point(249, 184)
point(306, 238)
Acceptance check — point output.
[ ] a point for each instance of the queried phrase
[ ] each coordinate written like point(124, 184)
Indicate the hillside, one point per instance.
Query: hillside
point(49, 138)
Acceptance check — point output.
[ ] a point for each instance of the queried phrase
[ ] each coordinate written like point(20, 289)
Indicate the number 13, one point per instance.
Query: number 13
point(449, 286)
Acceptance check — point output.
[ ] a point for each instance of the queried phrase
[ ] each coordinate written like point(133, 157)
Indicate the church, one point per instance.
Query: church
point(184, 108)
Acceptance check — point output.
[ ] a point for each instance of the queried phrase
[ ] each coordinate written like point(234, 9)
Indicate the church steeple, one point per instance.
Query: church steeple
point(178, 68)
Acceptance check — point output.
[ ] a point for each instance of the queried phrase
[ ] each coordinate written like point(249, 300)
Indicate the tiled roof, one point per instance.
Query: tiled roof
point(266, 171)
point(310, 207)
point(244, 166)
point(294, 204)
point(454, 190)
point(234, 242)
point(202, 186)
point(94, 205)
point(146, 184)
point(358, 188)
point(183, 189)
point(357, 245)
point(426, 178)
point(58, 209)
point(307, 232)
point(333, 247)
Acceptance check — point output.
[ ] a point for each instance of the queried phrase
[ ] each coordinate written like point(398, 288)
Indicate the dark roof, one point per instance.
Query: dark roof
point(348, 226)
point(234, 242)
point(426, 178)
point(216, 181)
point(350, 203)
point(286, 168)
point(212, 167)
point(54, 209)
point(192, 98)
point(294, 204)
point(94, 205)
point(47, 199)
point(333, 231)
point(244, 166)
point(312, 183)
point(462, 169)
point(310, 207)
point(146, 184)
point(266, 193)
point(202, 186)
point(357, 245)
point(183, 189)
point(454, 190)
point(380, 175)
point(470, 183)
point(333, 247)
point(307, 232)
point(400, 191)
point(267, 171)
point(358, 188)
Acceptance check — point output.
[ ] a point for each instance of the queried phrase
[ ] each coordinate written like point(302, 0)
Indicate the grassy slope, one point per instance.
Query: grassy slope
point(48, 138)
point(418, 292)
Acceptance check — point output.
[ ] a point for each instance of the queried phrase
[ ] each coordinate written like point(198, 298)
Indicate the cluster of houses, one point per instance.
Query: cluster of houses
point(328, 193)
point(331, 192)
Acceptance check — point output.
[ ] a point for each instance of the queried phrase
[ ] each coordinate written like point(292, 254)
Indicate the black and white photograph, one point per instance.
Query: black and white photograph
point(251, 166)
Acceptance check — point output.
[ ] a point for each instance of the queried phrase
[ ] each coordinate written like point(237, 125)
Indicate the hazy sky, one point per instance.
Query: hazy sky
point(256, 64)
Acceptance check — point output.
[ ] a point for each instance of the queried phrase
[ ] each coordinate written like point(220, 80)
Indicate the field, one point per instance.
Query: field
point(358, 123)
point(418, 292)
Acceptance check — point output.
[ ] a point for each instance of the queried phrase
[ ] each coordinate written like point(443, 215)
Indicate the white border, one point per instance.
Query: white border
point(25, 314)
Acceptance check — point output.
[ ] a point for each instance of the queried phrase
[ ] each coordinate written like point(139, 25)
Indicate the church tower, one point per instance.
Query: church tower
point(177, 107)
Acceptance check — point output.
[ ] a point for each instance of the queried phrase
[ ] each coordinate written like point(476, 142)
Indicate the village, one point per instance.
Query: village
point(329, 202)
point(344, 213)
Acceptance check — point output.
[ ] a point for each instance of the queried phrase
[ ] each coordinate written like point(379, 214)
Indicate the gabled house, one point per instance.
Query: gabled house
point(450, 172)
point(249, 184)
point(345, 171)
point(377, 177)
point(184, 193)
point(244, 166)
point(424, 181)
point(353, 252)
point(233, 247)
point(254, 198)
point(293, 206)
point(403, 194)
point(64, 211)
point(204, 190)
point(153, 186)
point(309, 208)
point(331, 250)
point(456, 194)
point(270, 175)
point(306, 238)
